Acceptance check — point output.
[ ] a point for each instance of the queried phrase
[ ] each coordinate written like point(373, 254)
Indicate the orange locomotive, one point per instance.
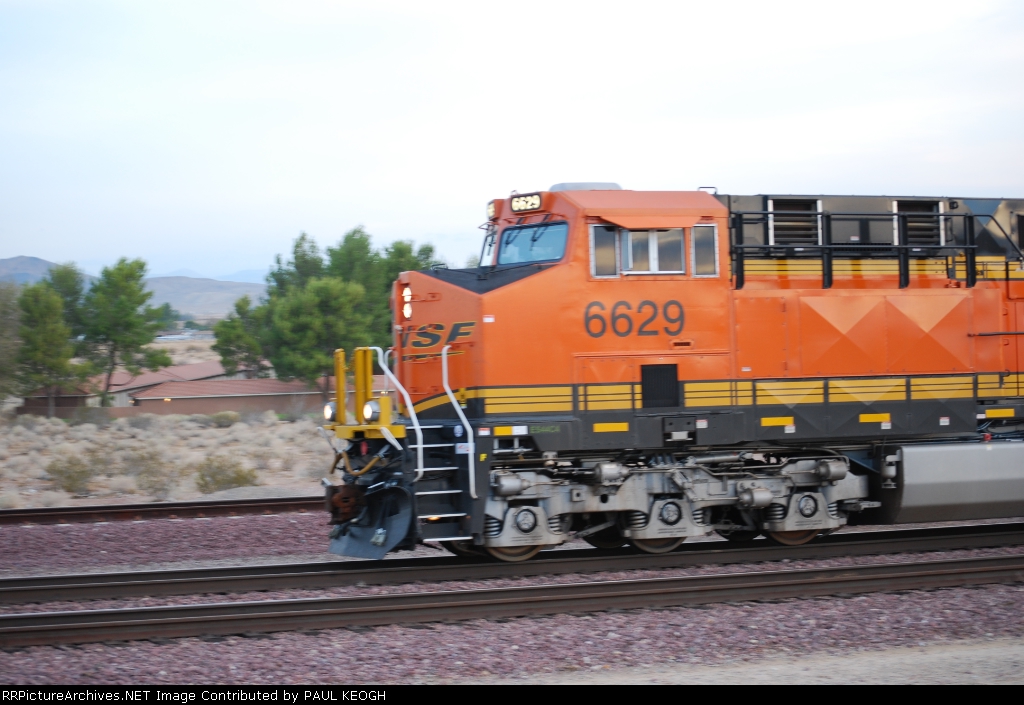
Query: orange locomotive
point(644, 367)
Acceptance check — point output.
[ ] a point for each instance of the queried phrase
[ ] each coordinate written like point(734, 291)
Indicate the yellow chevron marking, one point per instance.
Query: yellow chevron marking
point(718, 393)
point(1000, 413)
point(536, 407)
point(875, 418)
point(609, 389)
point(999, 385)
point(941, 387)
point(608, 405)
point(501, 393)
point(777, 421)
point(790, 392)
point(611, 427)
point(605, 397)
point(867, 391)
point(843, 267)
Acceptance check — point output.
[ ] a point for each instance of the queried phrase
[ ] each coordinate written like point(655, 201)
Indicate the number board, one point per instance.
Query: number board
point(526, 202)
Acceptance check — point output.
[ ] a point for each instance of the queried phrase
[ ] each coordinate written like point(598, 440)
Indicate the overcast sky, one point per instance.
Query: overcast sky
point(206, 135)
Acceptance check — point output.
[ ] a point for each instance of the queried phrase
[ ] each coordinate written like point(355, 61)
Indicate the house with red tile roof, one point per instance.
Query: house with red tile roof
point(123, 385)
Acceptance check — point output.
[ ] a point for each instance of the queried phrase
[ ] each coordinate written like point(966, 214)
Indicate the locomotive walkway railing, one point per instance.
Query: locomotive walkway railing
point(827, 251)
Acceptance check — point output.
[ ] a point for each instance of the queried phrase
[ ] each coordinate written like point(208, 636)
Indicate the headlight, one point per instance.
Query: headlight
point(407, 311)
point(371, 411)
point(329, 411)
point(407, 294)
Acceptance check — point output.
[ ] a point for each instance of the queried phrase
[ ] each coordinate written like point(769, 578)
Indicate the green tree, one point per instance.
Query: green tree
point(306, 263)
point(306, 326)
point(44, 359)
point(10, 315)
point(166, 316)
point(355, 260)
point(69, 282)
point(119, 323)
point(298, 326)
point(239, 339)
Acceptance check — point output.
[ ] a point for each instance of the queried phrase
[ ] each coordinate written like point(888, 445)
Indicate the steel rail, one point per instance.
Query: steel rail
point(334, 574)
point(23, 630)
point(160, 510)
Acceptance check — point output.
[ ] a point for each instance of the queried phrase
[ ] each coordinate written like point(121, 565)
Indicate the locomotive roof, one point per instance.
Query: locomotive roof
point(652, 202)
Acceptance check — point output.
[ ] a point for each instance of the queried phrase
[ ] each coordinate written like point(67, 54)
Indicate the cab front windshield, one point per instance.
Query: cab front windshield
point(543, 242)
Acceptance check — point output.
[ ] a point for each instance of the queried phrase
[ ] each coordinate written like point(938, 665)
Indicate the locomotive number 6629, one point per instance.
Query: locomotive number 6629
point(621, 323)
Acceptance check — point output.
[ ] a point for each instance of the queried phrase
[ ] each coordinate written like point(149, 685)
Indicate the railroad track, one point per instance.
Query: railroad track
point(160, 510)
point(489, 603)
point(333, 574)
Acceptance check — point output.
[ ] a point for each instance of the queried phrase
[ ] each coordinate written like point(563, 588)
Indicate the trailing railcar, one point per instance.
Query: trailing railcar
point(644, 367)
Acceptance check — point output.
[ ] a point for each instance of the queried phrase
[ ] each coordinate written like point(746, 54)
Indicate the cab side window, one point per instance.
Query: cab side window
point(604, 253)
point(615, 251)
point(650, 251)
point(704, 250)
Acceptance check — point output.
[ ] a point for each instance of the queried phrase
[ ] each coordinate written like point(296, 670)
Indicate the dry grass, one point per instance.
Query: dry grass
point(188, 352)
point(149, 457)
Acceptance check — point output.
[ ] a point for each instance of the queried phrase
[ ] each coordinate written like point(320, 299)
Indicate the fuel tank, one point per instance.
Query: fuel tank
point(954, 481)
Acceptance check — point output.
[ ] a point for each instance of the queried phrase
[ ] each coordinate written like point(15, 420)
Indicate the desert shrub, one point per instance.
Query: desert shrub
point(71, 473)
point(256, 418)
point(224, 419)
point(219, 472)
point(84, 432)
point(123, 484)
point(52, 499)
point(142, 421)
point(10, 500)
point(262, 458)
point(313, 470)
point(201, 420)
point(27, 421)
point(153, 474)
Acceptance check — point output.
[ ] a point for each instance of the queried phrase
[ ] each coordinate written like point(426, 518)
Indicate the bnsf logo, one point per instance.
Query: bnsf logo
point(431, 334)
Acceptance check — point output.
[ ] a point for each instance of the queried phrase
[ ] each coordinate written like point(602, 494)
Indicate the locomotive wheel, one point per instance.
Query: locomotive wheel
point(658, 545)
point(793, 538)
point(606, 538)
point(514, 554)
point(463, 549)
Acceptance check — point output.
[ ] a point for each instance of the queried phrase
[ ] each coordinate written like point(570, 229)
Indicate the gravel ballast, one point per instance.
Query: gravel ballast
point(523, 649)
point(565, 579)
point(166, 543)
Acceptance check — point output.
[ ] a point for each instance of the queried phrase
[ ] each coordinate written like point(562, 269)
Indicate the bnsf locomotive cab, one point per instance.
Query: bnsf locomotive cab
point(643, 367)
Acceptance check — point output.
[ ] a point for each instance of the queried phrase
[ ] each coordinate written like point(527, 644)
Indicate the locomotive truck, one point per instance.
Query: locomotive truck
point(644, 367)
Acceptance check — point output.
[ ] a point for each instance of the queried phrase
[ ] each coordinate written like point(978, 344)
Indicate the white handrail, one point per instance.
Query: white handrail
point(462, 417)
point(387, 363)
point(412, 412)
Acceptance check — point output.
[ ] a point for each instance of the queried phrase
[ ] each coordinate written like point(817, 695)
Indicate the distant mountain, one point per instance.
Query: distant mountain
point(252, 276)
point(201, 297)
point(190, 295)
point(180, 273)
point(26, 270)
